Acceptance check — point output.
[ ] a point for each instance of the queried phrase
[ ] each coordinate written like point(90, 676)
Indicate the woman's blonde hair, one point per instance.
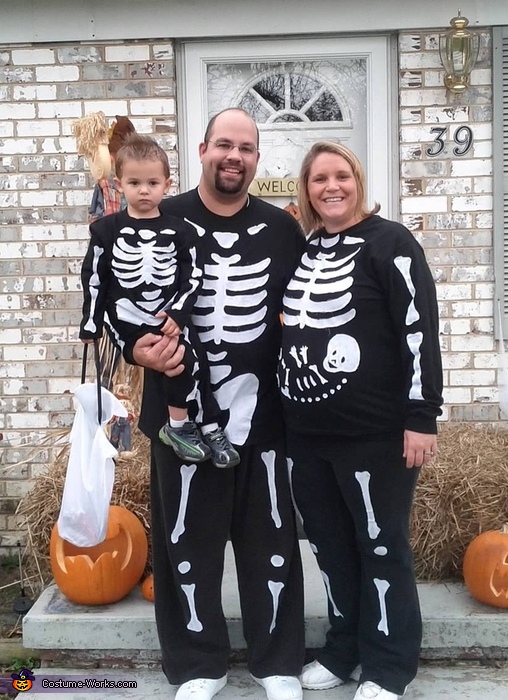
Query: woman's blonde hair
point(309, 217)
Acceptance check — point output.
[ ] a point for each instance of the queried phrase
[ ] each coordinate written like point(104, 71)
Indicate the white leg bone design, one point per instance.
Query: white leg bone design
point(269, 460)
point(363, 479)
point(336, 610)
point(194, 624)
point(275, 589)
point(382, 587)
point(187, 472)
point(290, 473)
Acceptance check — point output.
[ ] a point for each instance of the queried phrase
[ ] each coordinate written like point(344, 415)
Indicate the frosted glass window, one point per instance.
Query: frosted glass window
point(290, 97)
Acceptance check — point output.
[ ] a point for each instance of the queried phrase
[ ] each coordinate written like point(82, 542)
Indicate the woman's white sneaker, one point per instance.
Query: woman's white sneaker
point(373, 691)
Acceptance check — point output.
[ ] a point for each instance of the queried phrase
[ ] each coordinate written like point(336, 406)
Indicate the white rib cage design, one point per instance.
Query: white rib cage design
point(319, 291)
point(144, 262)
point(233, 311)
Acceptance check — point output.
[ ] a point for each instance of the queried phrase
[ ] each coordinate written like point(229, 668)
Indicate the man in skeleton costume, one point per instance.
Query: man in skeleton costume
point(141, 262)
point(360, 374)
point(250, 249)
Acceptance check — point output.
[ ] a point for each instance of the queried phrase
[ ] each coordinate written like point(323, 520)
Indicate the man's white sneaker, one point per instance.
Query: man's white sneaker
point(373, 691)
point(280, 687)
point(200, 688)
point(316, 677)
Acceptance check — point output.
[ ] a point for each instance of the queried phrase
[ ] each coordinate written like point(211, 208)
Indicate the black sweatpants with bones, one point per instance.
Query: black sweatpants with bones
point(195, 509)
point(355, 499)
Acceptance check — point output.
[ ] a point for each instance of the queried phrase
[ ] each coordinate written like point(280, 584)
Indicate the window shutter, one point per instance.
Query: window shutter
point(500, 158)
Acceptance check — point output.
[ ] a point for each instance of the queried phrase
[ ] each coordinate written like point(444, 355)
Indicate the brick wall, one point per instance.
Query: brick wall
point(446, 200)
point(45, 190)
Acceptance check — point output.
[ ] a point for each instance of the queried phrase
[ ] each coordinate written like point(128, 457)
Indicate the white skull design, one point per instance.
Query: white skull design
point(342, 354)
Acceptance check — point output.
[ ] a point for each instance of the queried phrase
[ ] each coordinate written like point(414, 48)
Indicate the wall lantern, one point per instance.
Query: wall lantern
point(458, 49)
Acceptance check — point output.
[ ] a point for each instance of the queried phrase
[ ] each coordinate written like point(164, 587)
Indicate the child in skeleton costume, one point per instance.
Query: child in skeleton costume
point(250, 250)
point(361, 380)
point(142, 268)
point(100, 145)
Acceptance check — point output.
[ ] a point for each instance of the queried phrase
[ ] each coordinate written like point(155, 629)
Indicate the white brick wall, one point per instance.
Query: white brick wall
point(45, 191)
point(447, 202)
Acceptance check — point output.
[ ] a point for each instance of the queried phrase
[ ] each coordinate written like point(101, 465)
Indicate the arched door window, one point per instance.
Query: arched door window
point(289, 97)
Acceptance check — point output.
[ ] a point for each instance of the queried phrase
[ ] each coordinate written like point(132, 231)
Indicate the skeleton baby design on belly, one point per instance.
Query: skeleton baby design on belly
point(319, 298)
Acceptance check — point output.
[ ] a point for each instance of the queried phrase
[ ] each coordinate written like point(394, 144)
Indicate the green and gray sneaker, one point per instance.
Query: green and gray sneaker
point(187, 442)
point(224, 454)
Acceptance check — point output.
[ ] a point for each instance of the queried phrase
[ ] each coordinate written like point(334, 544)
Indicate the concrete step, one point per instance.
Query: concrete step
point(432, 683)
point(455, 625)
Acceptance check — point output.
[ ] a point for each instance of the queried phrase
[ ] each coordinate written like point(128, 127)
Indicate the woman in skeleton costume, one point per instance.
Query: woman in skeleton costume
point(361, 380)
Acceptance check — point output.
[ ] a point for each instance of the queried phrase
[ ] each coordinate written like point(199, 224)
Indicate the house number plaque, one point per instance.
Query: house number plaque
point(463, 137)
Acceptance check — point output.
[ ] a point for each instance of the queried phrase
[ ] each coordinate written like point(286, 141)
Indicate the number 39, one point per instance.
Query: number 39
point(463, 136)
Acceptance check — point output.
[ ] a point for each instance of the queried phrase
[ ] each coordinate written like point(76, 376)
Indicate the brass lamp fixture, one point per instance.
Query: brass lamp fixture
point(458, 49)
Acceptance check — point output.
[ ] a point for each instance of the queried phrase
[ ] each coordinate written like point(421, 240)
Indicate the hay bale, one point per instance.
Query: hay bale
point(463, 492)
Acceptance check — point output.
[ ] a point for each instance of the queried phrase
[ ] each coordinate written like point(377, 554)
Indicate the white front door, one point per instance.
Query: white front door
point(298, 91)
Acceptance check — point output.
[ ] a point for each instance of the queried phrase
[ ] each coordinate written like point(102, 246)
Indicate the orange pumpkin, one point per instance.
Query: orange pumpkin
point(106, 572)
point(294, 210)
point(147, 588)
point(485, 567)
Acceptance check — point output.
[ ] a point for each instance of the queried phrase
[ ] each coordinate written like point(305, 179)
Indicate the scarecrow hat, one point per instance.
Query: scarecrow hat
point(118, 131)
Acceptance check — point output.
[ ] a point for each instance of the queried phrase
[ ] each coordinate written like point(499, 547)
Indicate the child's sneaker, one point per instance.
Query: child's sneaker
point(224, 454)
point(186, 441)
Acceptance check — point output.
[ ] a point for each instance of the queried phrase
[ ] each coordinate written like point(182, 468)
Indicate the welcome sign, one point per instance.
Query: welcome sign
point(274, 187)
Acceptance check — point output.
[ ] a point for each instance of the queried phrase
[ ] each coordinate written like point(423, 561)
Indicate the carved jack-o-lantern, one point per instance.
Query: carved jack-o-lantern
point(486, 567)
point(106, 572)
point(294, 210)
point(147, 588)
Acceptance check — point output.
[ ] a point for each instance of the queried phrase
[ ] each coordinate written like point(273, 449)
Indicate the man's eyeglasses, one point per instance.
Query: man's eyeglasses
point(245, 149)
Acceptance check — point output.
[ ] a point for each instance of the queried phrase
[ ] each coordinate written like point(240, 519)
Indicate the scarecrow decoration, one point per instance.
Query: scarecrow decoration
point(100, 145)
point(121, 426)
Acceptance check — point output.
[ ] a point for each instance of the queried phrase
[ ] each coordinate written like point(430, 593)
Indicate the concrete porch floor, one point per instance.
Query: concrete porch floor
point(465, 644)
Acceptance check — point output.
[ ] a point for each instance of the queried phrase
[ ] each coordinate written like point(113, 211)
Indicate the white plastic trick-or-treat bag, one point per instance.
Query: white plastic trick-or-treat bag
point(90, 472)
